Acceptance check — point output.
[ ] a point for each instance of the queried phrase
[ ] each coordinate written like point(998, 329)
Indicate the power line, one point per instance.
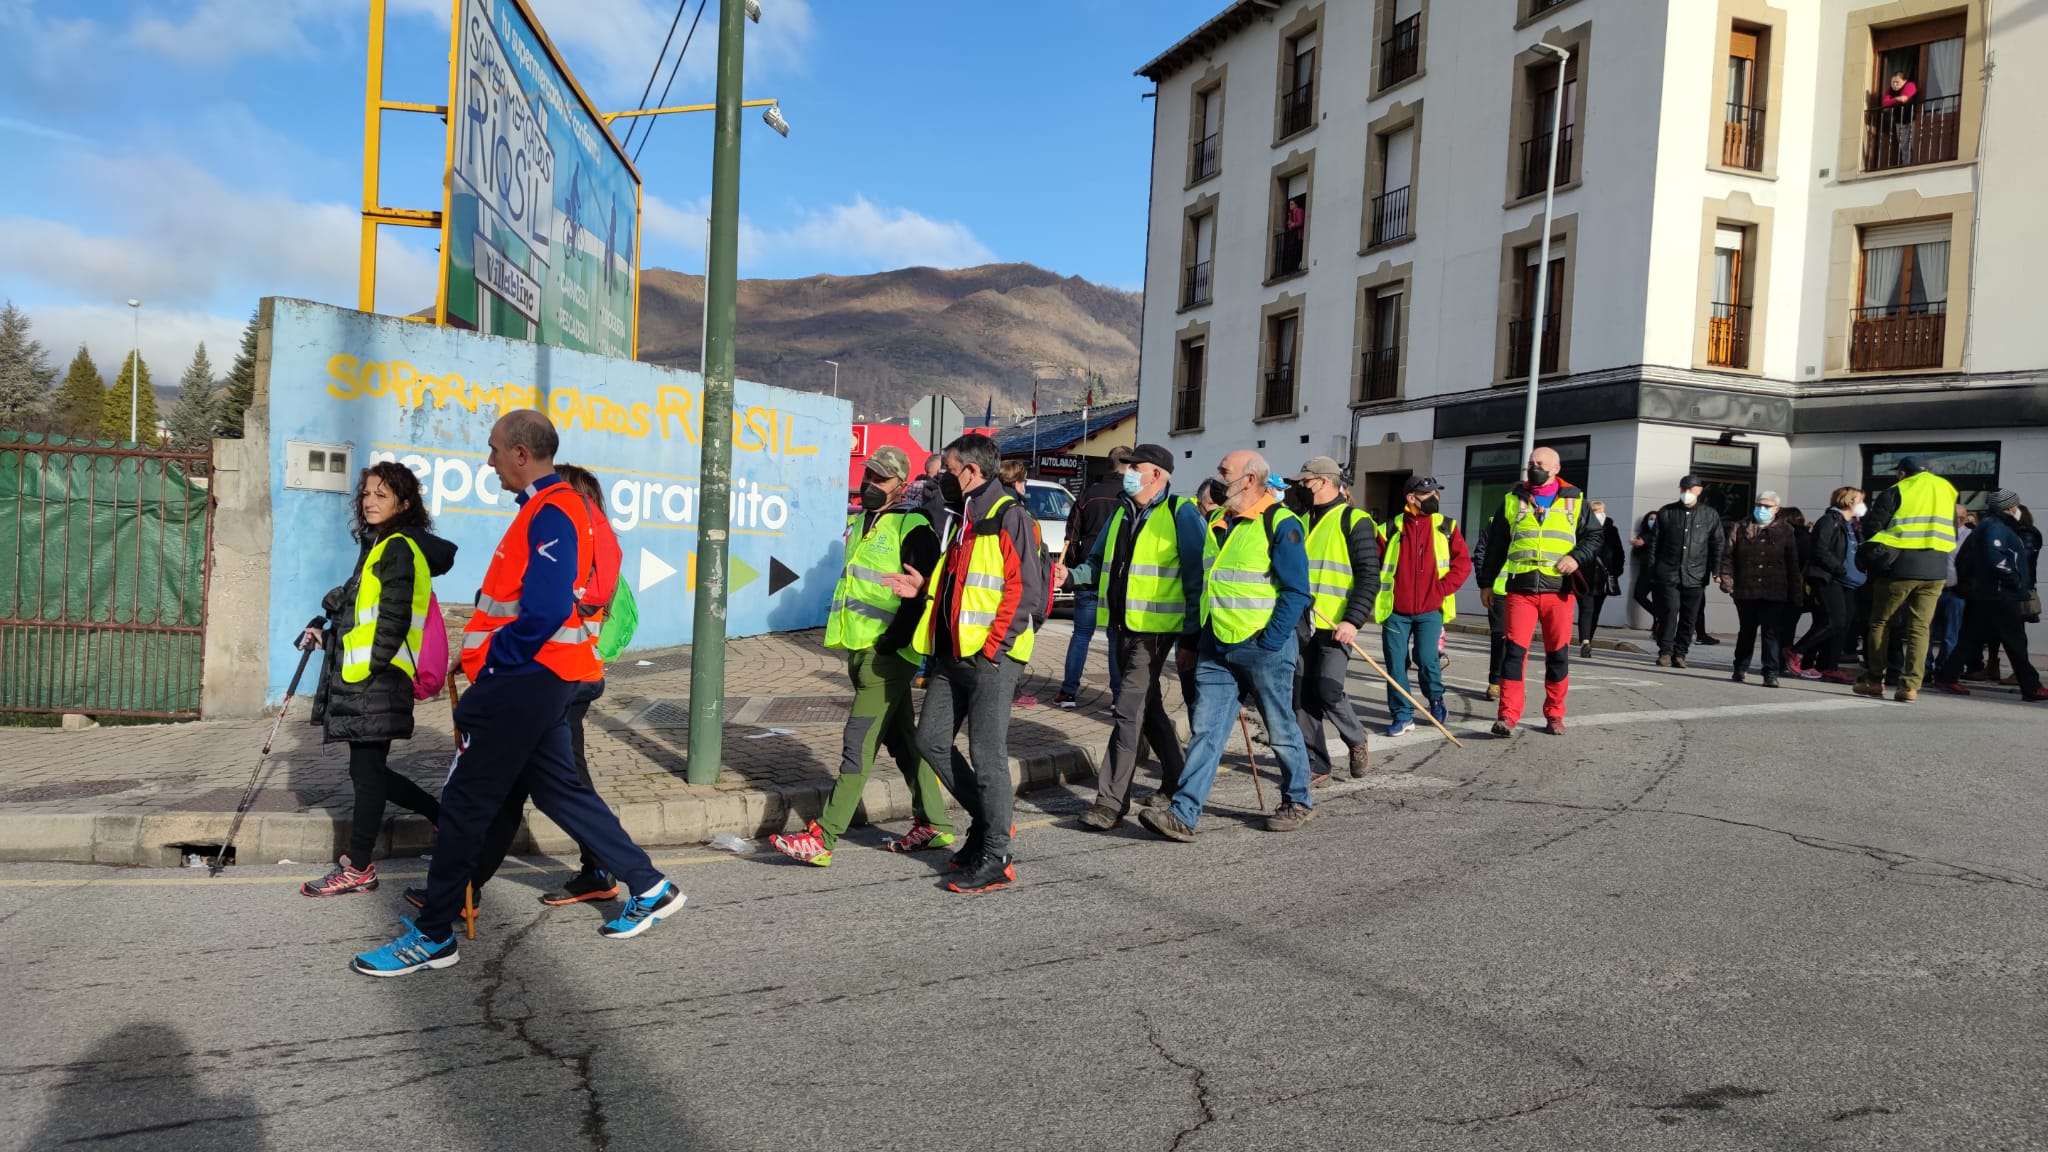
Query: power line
point(687, 37)
point(656, 70)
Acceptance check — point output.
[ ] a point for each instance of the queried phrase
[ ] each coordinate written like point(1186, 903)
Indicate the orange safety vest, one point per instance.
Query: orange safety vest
point(571, 652)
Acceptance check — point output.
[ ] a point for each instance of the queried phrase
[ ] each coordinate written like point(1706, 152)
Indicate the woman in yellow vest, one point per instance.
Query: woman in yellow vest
point(372, 633)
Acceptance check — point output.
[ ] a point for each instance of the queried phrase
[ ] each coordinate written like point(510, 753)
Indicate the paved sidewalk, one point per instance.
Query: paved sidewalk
point(129, 795)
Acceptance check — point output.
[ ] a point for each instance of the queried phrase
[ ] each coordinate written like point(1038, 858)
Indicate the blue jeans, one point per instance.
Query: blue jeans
point(1395, 636)
point(1077, 648)
point(1947, 629)
point(1219, 676)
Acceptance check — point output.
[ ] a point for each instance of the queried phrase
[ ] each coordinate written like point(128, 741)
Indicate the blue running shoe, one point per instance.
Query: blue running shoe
point(643, 912)
point(1436, 709)
point(407, 954)
point(1399, 726)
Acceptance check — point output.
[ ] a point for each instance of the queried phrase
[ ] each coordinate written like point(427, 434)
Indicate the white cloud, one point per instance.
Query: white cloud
point(30, 128)
point(216, 31)
point(176, 236)
point(168, 337)
point(845, 238)
point(610, 44)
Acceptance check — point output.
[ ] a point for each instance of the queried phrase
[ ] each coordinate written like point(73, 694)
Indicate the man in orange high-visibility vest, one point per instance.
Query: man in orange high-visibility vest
point(525, 651)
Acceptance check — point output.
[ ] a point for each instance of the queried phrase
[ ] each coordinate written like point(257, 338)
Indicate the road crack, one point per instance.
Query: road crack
point(1198, 1084)
point(1527, 1110)
point(496, 977)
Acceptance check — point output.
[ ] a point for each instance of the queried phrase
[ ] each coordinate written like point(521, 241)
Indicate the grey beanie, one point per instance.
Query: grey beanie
point(2003, 500)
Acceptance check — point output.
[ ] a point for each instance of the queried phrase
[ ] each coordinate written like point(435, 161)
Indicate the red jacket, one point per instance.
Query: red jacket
point(1417, 589)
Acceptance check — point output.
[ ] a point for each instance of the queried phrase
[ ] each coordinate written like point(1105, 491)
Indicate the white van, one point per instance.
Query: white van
point(1051, 504)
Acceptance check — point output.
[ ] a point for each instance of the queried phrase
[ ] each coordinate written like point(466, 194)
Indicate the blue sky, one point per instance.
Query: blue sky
point(200, 154)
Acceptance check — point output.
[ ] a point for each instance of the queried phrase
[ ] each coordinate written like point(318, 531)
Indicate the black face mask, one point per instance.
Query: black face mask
point(1538, 477)
point(1429, 505)
point(949, 487)
point(872, 498)
point(1297, 498)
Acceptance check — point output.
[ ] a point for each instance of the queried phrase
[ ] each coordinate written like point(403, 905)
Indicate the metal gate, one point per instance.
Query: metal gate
point(104, 558)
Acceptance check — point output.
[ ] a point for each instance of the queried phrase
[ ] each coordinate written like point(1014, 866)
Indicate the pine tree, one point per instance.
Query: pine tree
point(81, 401)
point(25, 372)
point(192, 420)
point(241, 382)
point(114, 416)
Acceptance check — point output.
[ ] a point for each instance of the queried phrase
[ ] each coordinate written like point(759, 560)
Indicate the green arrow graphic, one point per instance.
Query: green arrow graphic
point(742, 575)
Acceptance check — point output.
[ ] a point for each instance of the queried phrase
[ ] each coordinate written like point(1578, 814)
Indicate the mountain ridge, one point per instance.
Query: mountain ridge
point(973, 334)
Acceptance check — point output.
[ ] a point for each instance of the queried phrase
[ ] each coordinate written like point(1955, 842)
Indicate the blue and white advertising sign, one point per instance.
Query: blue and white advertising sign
point(392, 389)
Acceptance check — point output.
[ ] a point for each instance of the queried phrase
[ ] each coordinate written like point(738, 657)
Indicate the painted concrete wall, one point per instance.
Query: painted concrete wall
point(426, 396)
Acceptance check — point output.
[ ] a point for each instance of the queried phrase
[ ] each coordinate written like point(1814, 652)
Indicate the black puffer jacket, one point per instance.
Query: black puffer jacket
point(1763, 563)
point(379, 708)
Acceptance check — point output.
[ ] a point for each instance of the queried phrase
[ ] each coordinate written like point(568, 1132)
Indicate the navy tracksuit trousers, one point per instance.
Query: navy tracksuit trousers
point(515, 730)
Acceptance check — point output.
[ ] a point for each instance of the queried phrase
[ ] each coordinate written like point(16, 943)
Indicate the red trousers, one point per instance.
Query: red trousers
point(1523, 611)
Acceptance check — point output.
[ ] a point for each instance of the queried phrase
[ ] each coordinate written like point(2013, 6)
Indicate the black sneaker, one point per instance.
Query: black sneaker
point(597, 885)
point(1064, 700)
point(1705, 640)
point(992, 873)
point(1739, 676)
point(970, 853)
point(1503, 729)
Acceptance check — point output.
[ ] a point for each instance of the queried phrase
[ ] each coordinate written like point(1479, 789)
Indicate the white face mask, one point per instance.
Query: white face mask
point(1599, 518)
point(1858, 511)
point(1688, 498)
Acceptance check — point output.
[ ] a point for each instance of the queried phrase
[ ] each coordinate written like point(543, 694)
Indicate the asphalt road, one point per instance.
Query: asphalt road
point(1710, 917)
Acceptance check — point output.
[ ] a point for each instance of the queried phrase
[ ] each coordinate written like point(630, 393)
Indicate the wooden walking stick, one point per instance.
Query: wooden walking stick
point(1245, 729)
point(1420, 708)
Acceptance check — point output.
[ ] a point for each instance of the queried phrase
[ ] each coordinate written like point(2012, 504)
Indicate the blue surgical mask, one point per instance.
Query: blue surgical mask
point(1132, 481)
point(1763, 513)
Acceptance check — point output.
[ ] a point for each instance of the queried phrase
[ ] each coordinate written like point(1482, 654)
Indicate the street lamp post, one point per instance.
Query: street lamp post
point(721, 288)
point(135, 372)
point(1542, 302)
point(835, 378)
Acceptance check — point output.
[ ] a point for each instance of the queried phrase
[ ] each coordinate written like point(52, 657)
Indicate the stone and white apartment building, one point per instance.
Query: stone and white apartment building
point(1759, 272)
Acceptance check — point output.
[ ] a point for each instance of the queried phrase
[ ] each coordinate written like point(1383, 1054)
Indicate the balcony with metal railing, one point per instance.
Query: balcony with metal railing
point(1536, 154)
point(1276, 398)
point(1914, 133)
point(1194, 284)
point(1894, 337)
point(1205, 157)
point(1742, 137)
point(1519, 332)
point(1187, 408)
point(1401, 52)
point(1288, 253)
point(1297, 109)
point(1728, 335)
point(1390, 216)
point(1379, 377)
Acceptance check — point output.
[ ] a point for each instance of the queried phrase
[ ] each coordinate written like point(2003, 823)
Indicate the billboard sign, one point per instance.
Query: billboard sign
point(379, 388)
point(540, 236)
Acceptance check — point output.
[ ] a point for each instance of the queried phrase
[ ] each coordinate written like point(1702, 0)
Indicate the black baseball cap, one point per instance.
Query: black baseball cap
point(1689, 481)
point(1422, 484)
point(1152, 454)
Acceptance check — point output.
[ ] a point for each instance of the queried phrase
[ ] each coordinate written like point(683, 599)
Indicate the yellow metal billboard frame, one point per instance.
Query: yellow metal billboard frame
point(377, 215)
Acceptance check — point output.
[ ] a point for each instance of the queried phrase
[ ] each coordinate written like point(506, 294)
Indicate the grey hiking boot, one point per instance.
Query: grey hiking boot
point(1101, 818)
point(1163, 823)
point(1361, 760)
point(1289, 817)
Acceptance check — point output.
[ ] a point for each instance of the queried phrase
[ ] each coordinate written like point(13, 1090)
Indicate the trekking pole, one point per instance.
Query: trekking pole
point(1245, 729)
point(1391, 682)
point(220, 856)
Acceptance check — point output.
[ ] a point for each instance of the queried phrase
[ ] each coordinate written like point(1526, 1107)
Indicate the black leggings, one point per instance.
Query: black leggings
point(376, 783)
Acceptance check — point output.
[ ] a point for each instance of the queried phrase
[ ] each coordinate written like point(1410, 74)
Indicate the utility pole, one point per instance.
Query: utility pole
point(714, 508)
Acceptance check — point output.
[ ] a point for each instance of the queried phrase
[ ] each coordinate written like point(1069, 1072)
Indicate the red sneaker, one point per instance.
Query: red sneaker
point(920, 838)
point(806, 847)
point(1951, 687)
point(343, 878)
point(1837, 676)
